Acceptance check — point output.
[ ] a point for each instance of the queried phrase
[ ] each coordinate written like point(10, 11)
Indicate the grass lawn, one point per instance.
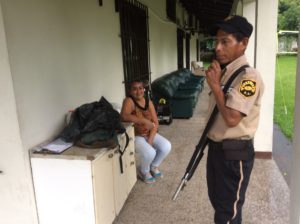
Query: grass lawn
point(285, 94)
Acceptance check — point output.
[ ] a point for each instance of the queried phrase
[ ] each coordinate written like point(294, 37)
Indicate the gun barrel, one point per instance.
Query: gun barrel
point(179, 188)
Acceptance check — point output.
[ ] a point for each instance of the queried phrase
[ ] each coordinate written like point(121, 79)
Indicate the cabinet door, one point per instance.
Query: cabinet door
point(124, 181)
point(119, 182)
point(129, 158)
point(104, 188)
point(63, 190)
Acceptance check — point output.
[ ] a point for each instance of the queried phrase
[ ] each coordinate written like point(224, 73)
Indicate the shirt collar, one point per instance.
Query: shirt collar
point(240, 61)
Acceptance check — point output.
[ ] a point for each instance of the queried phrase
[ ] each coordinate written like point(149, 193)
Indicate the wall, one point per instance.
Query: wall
point(163, 39)
point(193, 48)
point(59, 59)
point(265, 63)
point(247, 11)
point(17, 201)
point(295, 176)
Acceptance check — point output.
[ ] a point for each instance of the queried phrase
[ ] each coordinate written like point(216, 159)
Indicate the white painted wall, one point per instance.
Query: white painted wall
point(163, 39)
point(193, 48)
point(265, 63)
point(248, 12)
point(62, 54)
point(16, 192)
point(295, 176)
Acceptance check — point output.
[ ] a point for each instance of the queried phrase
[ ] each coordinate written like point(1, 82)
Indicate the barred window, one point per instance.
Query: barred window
point(135, 40)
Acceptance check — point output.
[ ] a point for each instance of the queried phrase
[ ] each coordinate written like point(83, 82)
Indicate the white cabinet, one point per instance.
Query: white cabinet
point(130, 163)
point(83, 185)
point(103, 185)
point(123, 183)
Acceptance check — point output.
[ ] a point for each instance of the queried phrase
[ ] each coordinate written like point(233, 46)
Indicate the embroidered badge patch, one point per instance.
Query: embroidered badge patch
point(247, 87)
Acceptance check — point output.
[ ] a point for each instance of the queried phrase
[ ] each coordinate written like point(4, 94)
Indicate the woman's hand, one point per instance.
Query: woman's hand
point(148, 124)
point(150, 140)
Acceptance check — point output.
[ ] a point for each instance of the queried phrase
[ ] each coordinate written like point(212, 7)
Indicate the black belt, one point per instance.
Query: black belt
point(233, 140)
point(234, 149)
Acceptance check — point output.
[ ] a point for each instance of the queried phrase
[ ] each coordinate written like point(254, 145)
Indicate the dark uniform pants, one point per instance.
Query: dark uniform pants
point(227, 181)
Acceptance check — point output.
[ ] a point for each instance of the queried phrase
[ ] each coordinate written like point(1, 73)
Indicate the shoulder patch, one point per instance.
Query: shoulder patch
point(247, 88)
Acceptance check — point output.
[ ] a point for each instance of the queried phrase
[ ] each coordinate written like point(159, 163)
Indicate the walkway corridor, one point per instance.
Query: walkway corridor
point(267, 200)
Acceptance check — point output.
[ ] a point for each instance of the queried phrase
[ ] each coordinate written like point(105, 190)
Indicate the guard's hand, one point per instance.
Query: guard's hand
point(213, 75)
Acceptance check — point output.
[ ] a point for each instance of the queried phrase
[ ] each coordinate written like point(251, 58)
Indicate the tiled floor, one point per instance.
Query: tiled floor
point(267, 200)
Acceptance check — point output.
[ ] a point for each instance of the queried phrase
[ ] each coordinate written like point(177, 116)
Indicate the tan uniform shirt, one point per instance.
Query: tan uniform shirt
point(244, 95)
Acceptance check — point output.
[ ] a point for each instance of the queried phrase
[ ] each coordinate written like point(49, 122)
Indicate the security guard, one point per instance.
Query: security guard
point(231, 152)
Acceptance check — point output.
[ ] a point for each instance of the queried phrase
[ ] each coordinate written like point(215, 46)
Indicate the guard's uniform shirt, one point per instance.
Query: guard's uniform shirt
point(244, 95)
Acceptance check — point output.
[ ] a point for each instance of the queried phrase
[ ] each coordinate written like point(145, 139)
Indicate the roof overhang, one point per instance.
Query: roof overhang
point(208, 12)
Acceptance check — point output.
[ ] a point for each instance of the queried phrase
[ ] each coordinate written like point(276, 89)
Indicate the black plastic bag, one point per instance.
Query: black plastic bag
point(94, 123)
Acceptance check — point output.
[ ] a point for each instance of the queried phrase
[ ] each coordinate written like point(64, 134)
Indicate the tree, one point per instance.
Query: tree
point(288, 15)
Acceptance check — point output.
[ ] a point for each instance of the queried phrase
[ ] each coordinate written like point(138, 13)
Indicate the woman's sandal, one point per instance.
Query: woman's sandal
point(147, 179)
point(156, 173)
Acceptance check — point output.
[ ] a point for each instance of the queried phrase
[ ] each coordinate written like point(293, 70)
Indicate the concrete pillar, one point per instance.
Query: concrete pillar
point(295, 175)
point(16, 192)
point(264, 53)
point(249, 11)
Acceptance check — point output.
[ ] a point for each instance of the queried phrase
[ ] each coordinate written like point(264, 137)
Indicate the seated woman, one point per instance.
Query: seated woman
point(151, 147)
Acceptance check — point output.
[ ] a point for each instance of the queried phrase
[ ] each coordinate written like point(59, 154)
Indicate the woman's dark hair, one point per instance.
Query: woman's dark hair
point(130, 83)
point(136, 80)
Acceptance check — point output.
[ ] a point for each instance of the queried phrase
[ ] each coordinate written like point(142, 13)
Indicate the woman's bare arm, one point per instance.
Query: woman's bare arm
point(153, 131)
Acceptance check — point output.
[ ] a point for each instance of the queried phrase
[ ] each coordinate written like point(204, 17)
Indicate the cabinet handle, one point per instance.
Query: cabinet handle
point(131, 153)
point(110, 155)
point(132, 163)
point(1, 172)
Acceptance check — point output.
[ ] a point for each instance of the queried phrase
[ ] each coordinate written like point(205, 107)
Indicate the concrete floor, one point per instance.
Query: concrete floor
point(267, 200)
point(282, 153)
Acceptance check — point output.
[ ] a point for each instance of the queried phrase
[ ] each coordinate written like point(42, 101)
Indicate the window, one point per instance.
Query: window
point(135, 40)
